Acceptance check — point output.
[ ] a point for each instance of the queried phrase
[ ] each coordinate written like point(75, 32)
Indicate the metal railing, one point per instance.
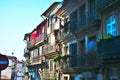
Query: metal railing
point(108, 48)
point(49, 48)
point(40, 38)
point(79, 61)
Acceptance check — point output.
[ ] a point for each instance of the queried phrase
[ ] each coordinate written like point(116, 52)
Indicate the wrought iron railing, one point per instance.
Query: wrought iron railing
point(49, 48)
point(39, 38)
point(108, 48)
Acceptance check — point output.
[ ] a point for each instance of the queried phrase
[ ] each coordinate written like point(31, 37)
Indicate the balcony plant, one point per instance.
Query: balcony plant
point(107, 36)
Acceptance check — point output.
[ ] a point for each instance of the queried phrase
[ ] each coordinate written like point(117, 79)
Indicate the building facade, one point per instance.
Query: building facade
point(51, 48)
point(109, 47)
point(34, 49)
point(81, 41)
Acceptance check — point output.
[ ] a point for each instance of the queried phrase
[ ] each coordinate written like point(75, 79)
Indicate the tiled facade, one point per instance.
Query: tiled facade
point(79, 40)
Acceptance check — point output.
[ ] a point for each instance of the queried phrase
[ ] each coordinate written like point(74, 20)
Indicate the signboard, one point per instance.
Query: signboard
point(3, 62)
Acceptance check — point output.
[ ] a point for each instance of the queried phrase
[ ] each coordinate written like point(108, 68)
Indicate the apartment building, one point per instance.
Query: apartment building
point(81, 28)
point(109, 48)
point(34, 49)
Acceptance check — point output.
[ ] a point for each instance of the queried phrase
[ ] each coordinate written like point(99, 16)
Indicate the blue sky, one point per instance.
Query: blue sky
point(18, 17)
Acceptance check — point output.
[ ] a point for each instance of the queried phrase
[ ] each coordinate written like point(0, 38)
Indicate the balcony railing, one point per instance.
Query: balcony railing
point(80, 61)
point(48, 75)
point(30, 44)
point(87, 60)
point(35, 60)
point(108, 48)
point(49, 49)
point(39, 39)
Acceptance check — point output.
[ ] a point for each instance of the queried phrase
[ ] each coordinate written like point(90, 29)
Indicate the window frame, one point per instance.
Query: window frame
point(109, 22)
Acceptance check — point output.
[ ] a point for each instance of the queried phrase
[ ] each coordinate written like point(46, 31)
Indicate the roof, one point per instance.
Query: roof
point(59, 10)
point(50, 9)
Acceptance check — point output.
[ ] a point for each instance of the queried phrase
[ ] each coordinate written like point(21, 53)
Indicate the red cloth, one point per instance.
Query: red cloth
point(37, 31)
point(34, 35)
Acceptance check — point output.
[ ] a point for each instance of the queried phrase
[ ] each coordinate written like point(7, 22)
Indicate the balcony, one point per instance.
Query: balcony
point(107, 4)
point(83, 61)
point(39, 39)
point(30, 44)
point(48, 75)
point(79, 63)
point(49, 49)
point(109, 48)
point(87, 60)
point(36, 60)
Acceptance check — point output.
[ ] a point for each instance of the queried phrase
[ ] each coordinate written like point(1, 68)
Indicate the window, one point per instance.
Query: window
point(82, 47)
point(73, 55)
point(92, 11)
point(82, 15)
point(73, 19)
point(48, 40)
point(35, 51)
point(111, 25)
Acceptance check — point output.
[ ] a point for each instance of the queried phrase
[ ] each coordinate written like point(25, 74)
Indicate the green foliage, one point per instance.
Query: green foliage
point(107, 36)
point(57, 58)
point(12, 67)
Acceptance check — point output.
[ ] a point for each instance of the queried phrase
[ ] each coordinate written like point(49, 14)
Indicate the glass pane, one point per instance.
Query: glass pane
point(114, 27)
point(113, 18)
point(108, 30)
point(111, 25)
